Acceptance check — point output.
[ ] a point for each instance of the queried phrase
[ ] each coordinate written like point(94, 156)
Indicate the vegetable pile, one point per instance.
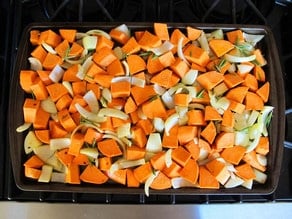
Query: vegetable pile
point(158, 108)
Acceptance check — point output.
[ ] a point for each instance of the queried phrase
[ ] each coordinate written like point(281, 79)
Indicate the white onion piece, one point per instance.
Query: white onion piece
point(260, 176)
point(244, 68)
point(121, 78)
point(180, 51)
point(149, 181)
point(119, 53)
point(158, 89)
point(262, 159)
point(253, 39)
point(165, 47)
point(91, 100)
point(80, 35)
point(123, 164)
point(35, 64)
point(90, 152)
point(247, 184)
point(23, 127)
point(56, 74)
point(158, 124)
point(168, 158)
point(233, 182)
point(82, 70)
point(73, 61)
point(232, 68)
point(106, 94)
point(124, 130)
point(99, 32)
point(58, 177)
point(89, 42)
point(48, 48)
point(154, 143)
point(167, 100)
point(141, 114)
point(196, 106)
point(170, 122)
point(139, 82)
point(59, 143)
point(253, 117)
point(203, 41)
point(123, 28)
point(238, 59)
point(49, 106)
point(68, 86)
point(180, 182)
point(89, 115)
point(110, 112)
point(190, 77)
point(126, 67)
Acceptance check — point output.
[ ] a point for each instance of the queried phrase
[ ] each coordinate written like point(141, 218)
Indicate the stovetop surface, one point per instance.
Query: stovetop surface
point(16, 15)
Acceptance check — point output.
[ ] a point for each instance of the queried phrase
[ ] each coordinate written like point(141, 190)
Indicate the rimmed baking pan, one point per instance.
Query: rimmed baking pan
point(276, 128)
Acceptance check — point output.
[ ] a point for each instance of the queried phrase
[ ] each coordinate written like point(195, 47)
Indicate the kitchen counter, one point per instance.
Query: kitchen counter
point(33, 210)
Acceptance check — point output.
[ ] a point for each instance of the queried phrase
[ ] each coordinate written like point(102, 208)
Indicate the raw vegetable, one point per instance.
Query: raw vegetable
point(157, 108)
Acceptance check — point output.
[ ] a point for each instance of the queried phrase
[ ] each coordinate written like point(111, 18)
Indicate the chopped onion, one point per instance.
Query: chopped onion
point(260, 176)
point(204, 42)
point(56, 74)
point(126, 67)
point(168, 158)
point(23, 127)
point(139, 82)
point(252, 118)
point(238, 59)
point(124, 28)
point(149, 181)
point(170, 122)
point(119, 53)
point(110, 112)
point(158, 89)
point(99, 32)
point(247, 184)
point(262, 159)
point(167, 100)
point(154, 143)
point(58, 177)
point(82, 70)
point(89, 115)
point(165, 47)
point(180, 51)
point(141, 114)
point(124, 130)
point(233, 182)
point(90, 152)
point(59, 143)
point(80, 35)
point(91, 100)
point(49, 106)
point(190, 77)
point(158, 124)
point(106, 94)
point(244, 68)
point(121, 78)
point(89, 42)
point(68, 86)
point(48, 48)
point(253, 39)
point(35, 64)
point(180, 182)
point(242, 138)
